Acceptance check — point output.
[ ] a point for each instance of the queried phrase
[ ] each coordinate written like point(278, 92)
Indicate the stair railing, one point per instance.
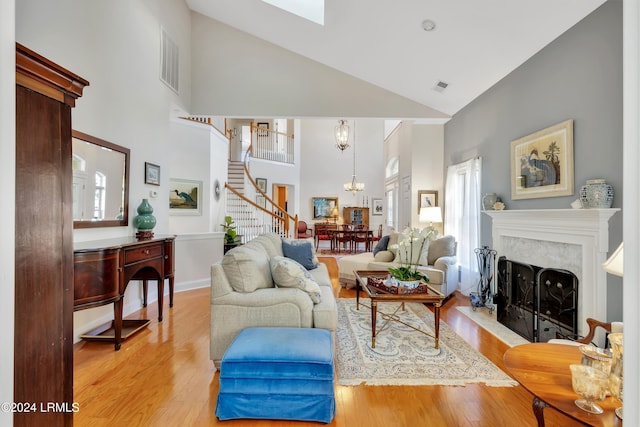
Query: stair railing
point(272, 145)
point(252, 219)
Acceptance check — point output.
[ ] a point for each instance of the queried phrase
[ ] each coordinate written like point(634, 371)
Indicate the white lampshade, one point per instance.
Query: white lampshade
point(614, 264)
point(430, 214)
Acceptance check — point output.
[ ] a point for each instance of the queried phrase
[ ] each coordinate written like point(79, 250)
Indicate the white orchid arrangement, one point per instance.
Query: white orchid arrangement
point(405, 247)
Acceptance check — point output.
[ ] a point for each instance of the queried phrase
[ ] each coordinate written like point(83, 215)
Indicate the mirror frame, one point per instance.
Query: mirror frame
point(110, 222)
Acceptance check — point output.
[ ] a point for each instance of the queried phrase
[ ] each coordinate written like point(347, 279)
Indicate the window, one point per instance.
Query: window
point(100, 196)
point(462, 217)
point(392, 168)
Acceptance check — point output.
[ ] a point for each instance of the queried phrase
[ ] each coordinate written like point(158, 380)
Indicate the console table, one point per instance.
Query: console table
point(103, 269)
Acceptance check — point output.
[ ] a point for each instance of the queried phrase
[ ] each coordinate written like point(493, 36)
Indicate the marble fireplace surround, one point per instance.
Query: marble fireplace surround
point(573, 239)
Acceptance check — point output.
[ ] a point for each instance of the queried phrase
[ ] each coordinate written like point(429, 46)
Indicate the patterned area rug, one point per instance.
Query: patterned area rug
point(403, 356)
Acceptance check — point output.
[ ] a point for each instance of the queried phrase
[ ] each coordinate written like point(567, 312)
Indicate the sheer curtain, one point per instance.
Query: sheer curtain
point(462, 217)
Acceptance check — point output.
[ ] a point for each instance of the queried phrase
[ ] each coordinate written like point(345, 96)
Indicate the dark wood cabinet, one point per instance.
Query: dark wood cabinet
point(43, 345)
point(356, 216)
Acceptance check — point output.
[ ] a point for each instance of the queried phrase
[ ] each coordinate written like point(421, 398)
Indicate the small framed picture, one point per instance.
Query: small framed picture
point(261, 201)
point(262, 184)
point(376, 204)
point(427, 199)
point(263, 129)
point(151, 174)
point(185, 197)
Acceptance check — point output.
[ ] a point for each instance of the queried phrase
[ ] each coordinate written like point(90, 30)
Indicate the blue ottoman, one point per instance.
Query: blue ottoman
point(278, 373)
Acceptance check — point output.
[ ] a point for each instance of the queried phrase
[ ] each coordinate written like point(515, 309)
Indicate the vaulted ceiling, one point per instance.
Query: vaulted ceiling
point(474, 43)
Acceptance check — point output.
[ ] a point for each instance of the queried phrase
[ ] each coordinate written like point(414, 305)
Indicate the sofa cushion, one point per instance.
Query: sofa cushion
point(384, 256)
point(276, 240)
point(393, 242)
point(300, 251)
point(444, 246)
point(321, 276)
point(247, 268)
point(288, 273)
point(268, 245)
point(382, 245)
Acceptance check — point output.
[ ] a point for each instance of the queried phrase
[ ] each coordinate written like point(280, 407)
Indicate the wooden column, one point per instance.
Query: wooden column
point(43, 359)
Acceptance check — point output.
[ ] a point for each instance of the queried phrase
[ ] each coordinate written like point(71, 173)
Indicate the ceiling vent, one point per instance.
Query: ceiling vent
point(169, 61)
point(440, 86)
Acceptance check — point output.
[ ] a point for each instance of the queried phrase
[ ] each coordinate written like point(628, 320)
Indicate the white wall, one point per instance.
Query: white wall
point(325, 169)
point(419, 149)
point(7, 213)
point(127, 104)
point(427, 151)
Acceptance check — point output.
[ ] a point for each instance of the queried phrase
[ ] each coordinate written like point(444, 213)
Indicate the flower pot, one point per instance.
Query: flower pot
point(408, 284)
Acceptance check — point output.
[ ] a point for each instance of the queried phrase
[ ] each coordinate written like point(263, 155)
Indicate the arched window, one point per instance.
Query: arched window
point(392, 167)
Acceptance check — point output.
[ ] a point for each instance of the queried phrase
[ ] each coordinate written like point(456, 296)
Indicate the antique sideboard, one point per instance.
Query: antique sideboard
point(104, 268)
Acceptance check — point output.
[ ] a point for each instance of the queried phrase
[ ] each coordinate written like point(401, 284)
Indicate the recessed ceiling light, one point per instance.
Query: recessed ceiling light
point(428, 25)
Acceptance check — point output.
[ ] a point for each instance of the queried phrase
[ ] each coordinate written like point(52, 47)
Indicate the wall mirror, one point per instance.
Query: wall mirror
point(100, 182)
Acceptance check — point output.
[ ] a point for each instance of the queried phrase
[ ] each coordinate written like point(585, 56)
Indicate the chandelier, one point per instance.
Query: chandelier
point(342, 135)
point(354, 186)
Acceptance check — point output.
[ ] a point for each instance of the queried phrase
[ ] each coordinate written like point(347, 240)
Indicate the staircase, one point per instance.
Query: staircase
point(252, 218)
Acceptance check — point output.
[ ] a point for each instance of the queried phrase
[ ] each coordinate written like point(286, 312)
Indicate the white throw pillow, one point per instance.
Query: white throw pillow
point(288, 273)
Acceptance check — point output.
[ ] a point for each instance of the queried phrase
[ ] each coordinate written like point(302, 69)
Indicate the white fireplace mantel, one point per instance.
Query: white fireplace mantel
point(588, 229)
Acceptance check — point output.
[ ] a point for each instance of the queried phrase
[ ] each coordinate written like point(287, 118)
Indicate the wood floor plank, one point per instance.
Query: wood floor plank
point(163, 377)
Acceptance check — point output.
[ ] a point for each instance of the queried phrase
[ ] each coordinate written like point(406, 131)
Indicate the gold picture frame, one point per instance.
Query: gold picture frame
point(427, 199)
point(542, 163)
point(325, 207)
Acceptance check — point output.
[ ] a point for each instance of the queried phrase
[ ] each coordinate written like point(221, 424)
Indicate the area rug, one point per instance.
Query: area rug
point(403, 356)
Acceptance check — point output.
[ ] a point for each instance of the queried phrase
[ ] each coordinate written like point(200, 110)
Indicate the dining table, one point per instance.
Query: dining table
point(342, 236)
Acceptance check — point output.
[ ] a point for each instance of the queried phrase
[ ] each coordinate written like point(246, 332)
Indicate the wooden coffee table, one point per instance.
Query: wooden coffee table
point(431, 296)
point(543, 369)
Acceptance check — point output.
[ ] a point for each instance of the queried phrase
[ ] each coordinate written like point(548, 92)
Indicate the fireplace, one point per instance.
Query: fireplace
point(576, 240)
point(537, 303)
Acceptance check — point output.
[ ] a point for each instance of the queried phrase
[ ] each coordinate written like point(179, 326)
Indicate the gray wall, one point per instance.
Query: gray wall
point(577, 76)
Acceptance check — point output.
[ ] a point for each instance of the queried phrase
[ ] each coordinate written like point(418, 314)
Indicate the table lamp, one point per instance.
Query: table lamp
point(431, 214)
point(613, 265)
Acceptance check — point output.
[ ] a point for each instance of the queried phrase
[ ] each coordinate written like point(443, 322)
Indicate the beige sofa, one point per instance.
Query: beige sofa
point(243, 295)
point(440, 266)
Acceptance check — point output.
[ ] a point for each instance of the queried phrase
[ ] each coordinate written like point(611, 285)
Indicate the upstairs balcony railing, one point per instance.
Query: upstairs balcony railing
point(271, 145)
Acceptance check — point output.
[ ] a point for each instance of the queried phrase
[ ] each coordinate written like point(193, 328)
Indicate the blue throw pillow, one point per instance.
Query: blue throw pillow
point(382, 245)
point(301, 251)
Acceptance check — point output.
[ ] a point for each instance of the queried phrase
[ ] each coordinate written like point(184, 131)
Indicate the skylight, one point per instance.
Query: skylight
point(312, 10)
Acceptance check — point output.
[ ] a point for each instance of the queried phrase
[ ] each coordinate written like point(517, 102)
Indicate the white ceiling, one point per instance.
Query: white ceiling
point(475, 43)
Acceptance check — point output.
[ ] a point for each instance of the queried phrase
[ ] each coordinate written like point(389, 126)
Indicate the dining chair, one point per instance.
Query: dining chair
point(323, 232)
point(361, 235)
point(343, 237)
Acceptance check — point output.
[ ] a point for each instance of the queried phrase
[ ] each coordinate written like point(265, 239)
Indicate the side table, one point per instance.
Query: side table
point(543, 370)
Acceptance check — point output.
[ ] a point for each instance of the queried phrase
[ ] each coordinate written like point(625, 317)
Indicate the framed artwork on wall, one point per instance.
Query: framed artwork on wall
point(325, 207)
point(151, 174)
point(185, 197)
point(263, 125)
point(262, 184)
point(427, 199)
point(261, 201)
point(542, 163)
point(376, 205)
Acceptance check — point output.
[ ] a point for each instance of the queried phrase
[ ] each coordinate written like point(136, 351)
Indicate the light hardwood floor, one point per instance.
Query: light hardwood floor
point(162, 376)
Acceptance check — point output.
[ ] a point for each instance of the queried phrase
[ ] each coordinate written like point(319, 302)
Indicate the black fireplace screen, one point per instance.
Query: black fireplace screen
point(537, 303)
